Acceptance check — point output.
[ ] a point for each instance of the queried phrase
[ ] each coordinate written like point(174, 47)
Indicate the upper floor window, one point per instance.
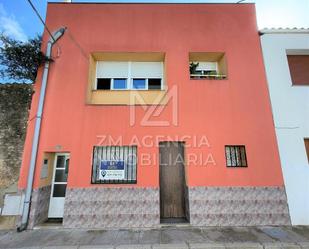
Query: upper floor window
point(207, 65)
point(298, 61)
point(129, 75)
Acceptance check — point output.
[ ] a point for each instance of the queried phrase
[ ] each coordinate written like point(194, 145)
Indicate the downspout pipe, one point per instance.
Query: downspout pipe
point(37, 128)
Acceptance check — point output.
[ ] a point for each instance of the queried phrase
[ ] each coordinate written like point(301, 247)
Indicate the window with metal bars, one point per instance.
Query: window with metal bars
point(114, 164)
point(235, 156)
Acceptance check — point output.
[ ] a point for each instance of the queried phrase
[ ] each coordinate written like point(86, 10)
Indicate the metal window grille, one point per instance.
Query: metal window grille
point(125, 155)
point(235, 156)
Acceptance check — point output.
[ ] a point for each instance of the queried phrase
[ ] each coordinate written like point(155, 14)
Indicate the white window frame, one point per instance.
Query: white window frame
point(138, 78)
point(112, 84)
point(130, 80)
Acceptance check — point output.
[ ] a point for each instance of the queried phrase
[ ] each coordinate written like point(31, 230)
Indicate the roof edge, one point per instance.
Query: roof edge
point(134, 2)
point(284, 31)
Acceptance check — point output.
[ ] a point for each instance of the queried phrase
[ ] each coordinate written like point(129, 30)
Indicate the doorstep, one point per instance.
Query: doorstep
point(50, 224)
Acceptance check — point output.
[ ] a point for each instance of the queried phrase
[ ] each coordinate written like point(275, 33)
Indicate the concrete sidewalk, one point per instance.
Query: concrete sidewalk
point(163, 238)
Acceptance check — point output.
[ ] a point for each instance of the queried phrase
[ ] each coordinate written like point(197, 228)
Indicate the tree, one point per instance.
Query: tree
point(20, 61)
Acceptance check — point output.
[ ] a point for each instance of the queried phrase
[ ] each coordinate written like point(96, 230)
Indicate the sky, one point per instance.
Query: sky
point(18, 20)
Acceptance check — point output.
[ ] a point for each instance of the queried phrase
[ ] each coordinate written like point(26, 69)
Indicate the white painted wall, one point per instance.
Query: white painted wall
point(290, 106)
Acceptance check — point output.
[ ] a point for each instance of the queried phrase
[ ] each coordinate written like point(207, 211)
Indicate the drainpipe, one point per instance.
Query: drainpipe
point(36, 135)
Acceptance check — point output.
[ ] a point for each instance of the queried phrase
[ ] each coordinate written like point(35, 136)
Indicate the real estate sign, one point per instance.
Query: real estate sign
point(111, 170)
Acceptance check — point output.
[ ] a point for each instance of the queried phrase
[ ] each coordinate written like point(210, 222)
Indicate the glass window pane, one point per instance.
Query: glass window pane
point(67, 166)
point(103, 84)
point(61, 175)
point(154, 84)
point(139, 84)
point(120, 84)
point(59, 190)
point(60, 162)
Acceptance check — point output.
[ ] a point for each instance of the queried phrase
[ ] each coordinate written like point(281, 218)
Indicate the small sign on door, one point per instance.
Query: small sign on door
point(112, 170)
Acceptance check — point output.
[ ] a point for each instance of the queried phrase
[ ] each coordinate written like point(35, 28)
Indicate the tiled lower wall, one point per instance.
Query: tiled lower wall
point(39, 206)
point(111, 207)
point(140, 207)
point(238, 206)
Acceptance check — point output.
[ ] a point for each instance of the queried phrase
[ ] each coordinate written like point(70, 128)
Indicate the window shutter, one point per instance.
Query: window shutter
point(299, 69)
point(146, 70)
point(112, 69)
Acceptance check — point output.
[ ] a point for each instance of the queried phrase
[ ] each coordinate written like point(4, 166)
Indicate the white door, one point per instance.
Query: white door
point(59, 185)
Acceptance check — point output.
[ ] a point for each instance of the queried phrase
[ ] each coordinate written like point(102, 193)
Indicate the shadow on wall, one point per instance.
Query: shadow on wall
point(15, 100)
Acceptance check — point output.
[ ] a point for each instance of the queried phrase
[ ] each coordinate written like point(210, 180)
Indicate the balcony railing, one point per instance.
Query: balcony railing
point(208, 76)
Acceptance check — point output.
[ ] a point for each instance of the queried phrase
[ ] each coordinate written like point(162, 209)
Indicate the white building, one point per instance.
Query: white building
point(286, 57)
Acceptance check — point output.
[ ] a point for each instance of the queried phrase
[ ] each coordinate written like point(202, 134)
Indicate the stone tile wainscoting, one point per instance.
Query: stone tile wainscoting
point(39, 206)
point(238, 206)
point(111, 207)
point(129, 207)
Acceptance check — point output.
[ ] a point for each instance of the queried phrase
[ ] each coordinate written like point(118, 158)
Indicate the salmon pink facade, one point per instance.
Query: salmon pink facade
point(121, 83)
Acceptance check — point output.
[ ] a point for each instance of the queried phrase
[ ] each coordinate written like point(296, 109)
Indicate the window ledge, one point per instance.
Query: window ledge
point(208, 77)
point(128, 97)
point(127, 90)
point(300, 85)
point(112, 182)
point(237, 167)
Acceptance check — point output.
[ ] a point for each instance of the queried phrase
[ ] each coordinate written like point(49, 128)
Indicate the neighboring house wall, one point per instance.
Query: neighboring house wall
point(14, 105)
point(290, 105)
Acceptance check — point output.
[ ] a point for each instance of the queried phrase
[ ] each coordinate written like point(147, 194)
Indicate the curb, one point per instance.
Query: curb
point(210, 245)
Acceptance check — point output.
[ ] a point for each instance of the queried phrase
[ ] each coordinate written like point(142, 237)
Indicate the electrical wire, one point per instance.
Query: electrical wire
point(73, 40)
point(41, 19)
point(47, 29)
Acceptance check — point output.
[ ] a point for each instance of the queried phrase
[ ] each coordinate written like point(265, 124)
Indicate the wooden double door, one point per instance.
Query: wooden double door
point(172, 181)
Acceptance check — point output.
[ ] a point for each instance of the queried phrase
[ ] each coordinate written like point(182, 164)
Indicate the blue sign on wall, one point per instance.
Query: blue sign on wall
point(111, 170)
point(112, 165)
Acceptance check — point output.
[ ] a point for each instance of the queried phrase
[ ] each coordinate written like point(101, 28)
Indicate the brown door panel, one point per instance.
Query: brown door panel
point(172, 180)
